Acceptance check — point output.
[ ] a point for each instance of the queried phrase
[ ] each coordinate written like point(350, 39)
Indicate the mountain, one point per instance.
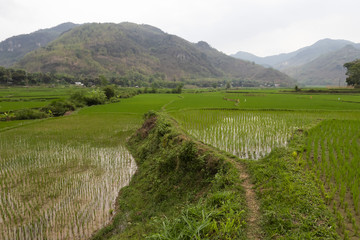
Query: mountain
point(117, 49)
point(14, 48)
point(327, 69)
point(269, 61)
point(249, 57)
point(310, 53)
point(318, 64)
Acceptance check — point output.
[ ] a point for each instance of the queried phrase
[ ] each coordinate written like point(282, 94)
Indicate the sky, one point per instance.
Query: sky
point(261, 27)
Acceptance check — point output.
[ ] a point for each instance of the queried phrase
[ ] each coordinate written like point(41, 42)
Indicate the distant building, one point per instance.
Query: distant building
point(79, 84)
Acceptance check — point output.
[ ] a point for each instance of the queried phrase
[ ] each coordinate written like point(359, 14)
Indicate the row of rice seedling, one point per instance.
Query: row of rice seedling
point(59, 177)
point(50, 190)
point(333, 154)
point(268, 100)
point(246, 134)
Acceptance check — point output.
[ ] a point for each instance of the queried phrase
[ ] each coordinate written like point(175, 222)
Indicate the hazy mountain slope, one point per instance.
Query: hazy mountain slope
point(298, 57)
point(242, 69)
point(318, 64)
point(327, 69)
point(113, 49)
point(249, 57)
point(14, 48)
point(269, 61)
point(308, 54)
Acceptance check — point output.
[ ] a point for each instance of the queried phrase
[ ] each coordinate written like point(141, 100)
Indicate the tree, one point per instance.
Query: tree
point(228, 85)
point(109, 92)
point(19, 77)
point(4, 75)
point(353, 72)
point(178, 88)
point(103, 80)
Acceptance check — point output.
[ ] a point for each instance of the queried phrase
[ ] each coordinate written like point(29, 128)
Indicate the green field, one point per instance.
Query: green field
point(332, 153)
point(74, 167)
point(34, 97)
point(59, 177)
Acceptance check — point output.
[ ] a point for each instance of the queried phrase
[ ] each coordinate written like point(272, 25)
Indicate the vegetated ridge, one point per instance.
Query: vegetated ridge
point(184, 190)
point(14, 48)
point(128, 48)
point(181, 190)
point(318, 64)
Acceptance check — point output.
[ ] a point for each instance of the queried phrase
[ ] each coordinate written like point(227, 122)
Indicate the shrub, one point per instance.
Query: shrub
point(109, 92)
point(7, 116)
point(95, 97)
point(114, 100)
point(78, 98)
point(29, 114)
point(59, 108)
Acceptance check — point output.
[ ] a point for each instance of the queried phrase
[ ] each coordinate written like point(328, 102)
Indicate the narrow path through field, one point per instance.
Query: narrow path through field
point(253, 216)
point(163, 108)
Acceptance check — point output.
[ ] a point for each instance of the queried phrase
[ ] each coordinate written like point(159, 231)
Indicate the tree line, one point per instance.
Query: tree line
point(132, 78)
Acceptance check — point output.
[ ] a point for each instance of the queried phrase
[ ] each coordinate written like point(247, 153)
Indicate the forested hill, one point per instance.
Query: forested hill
point(127, 48)
point(14, 48)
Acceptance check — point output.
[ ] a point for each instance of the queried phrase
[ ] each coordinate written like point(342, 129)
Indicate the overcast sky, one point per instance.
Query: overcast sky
point(261, 27)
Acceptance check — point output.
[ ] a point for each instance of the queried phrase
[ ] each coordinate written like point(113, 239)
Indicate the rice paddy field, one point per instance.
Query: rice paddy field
point(333, 155)
point(59, 177)
point(257, 123)
point(22, 97)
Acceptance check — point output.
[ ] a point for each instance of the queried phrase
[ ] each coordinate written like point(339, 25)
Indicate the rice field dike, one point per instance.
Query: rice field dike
point(201, 164)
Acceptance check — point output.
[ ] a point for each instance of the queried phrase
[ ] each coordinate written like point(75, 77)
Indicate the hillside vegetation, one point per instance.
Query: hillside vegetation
point(14, 48)
point(138, 51)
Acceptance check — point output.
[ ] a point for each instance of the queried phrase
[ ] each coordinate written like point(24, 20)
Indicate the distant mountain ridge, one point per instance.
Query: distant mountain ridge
point(14, 48)
point(327, 69)
point(318, 64)
point(117, 49)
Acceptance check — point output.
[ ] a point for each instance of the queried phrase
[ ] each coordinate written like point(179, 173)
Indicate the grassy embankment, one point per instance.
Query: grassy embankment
point(169, 198)
point(182, 190)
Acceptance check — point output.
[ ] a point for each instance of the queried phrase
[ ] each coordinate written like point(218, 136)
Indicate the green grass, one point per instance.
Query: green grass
point(58, 155)
point(332, 154)
point(200, 100)
point(32, 97)
point(192, 189)
point(291, 205)
point(296, 101)
point(251, 134)
point(12, 106)
point(246, 134)
point(74, 167)
point(139, 104)
point(5, 125)
point(265, 100)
